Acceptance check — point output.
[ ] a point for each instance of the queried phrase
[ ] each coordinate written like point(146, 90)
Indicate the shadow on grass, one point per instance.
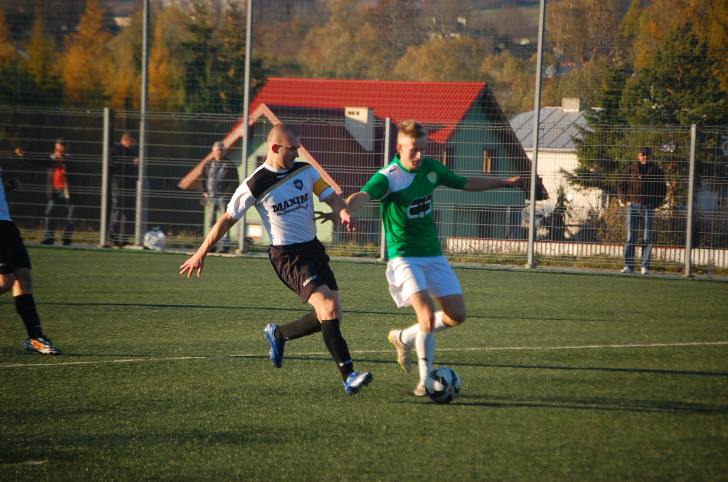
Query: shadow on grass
point(404, 313)
point(591, 403)
point(655, 371)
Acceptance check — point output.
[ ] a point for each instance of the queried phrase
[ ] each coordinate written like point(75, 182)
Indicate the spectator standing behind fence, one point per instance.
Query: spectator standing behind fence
point(59, 196)
point(124, 167)
point(220, 181)
point(641, 189)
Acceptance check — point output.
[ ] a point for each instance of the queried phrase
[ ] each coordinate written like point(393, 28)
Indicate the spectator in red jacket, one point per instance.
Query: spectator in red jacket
point(59, 196)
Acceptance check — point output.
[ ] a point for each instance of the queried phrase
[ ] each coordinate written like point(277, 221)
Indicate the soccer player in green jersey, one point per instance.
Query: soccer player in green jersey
point(417, 271)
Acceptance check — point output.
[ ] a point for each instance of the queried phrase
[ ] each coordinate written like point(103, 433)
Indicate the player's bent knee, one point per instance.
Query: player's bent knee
point(6, 283)
point(455, 318)
point(328, 309)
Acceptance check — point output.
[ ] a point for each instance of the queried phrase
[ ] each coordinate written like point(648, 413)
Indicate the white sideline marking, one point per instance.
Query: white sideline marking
point(357, 352)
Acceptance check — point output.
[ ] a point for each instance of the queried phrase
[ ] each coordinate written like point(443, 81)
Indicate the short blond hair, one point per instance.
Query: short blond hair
point(412, 129)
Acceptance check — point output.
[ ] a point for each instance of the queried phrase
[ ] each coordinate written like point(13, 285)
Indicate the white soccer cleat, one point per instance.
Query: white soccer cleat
point(645, 270)
point(420, 390)
point(403, 351)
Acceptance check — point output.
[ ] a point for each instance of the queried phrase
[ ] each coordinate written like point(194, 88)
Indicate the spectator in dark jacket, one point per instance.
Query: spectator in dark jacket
point(219, 182)
point(124, 172)
point(641, 189)
point(59, 196)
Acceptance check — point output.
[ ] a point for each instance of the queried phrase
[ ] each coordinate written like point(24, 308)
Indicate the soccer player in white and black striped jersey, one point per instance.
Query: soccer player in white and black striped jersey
point(282, 191)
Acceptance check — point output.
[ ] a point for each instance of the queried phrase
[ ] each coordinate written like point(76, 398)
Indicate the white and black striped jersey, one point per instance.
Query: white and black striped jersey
point(284, 200)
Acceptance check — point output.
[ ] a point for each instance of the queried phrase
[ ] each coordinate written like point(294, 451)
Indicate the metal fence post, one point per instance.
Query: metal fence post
point(536, 121)
point(691, 187)
point(104, 224)
point(387, 148)
point(138, 228)
point(246, 109)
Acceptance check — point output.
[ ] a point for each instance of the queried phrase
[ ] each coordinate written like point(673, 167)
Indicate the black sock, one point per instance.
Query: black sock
point(306, 325)
point(25, 307)
point(337, 346)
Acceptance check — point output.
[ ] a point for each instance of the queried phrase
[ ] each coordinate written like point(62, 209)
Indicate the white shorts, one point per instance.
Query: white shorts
point(407, 276)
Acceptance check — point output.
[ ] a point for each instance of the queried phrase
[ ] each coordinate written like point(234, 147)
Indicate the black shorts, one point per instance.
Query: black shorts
point(13, 254)
point(303, 267)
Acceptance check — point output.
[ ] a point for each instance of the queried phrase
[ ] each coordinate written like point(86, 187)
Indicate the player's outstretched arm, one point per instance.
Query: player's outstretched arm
point(485, 184)
point(357, 200)
point(196, 262)
point(339, 210)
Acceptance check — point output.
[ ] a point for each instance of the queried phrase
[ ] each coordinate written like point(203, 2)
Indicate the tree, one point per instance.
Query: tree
point(85, 64)
point(331, 50)
point(511, 79)
point(599, 146)
point(165, 73)
point(8, 54)
point(231, 61)
point(678, 86)
point(441, 59)
point(201, 52)
point(584, 82)
point(579, 30)
point(125, 56)
point(41, 64)
point(17, 85)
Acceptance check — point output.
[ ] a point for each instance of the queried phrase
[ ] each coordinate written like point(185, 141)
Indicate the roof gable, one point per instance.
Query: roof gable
point(443, 104)
point(557, 129)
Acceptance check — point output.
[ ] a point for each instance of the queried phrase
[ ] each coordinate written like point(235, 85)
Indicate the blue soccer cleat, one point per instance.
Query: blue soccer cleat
point(276, 346)
point(40, 345)
point(356, 381)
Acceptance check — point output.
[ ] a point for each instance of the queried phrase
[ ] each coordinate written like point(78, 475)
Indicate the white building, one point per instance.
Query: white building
point(559, 126)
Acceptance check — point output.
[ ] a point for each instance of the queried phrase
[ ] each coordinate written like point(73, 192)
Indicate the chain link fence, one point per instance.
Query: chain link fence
point(583, 223)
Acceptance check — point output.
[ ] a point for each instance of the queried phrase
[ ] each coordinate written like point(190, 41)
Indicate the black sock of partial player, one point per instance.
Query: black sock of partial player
point(337, 346)
point(25, 306)
point(306, 325)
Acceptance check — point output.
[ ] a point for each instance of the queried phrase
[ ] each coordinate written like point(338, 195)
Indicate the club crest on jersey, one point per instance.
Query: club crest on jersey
point(419, 208)
point(432, 177)
point(298, 183)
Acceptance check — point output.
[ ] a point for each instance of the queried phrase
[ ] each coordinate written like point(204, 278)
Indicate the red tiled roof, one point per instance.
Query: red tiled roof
point(441, 103)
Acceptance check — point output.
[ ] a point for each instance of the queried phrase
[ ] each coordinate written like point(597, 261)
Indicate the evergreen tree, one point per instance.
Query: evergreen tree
point(201, 62)
point(231, 61)
point(678, 86)
point(599, 146)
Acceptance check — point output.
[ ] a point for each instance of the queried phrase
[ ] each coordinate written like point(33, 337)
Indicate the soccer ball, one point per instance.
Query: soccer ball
point(443, 385)
point(154, 239)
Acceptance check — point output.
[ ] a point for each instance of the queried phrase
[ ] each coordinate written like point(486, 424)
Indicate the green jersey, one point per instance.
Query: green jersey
point(406, 205)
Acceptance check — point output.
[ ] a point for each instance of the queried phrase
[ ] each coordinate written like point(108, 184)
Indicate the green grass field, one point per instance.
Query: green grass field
point(566, 377)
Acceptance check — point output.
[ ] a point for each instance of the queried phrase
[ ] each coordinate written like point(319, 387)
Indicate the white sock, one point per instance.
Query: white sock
point(425, 347)
point(409, 334)
point(439, 324)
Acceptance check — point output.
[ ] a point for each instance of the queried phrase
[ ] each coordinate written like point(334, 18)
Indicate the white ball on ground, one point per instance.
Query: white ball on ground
point(443, 385)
